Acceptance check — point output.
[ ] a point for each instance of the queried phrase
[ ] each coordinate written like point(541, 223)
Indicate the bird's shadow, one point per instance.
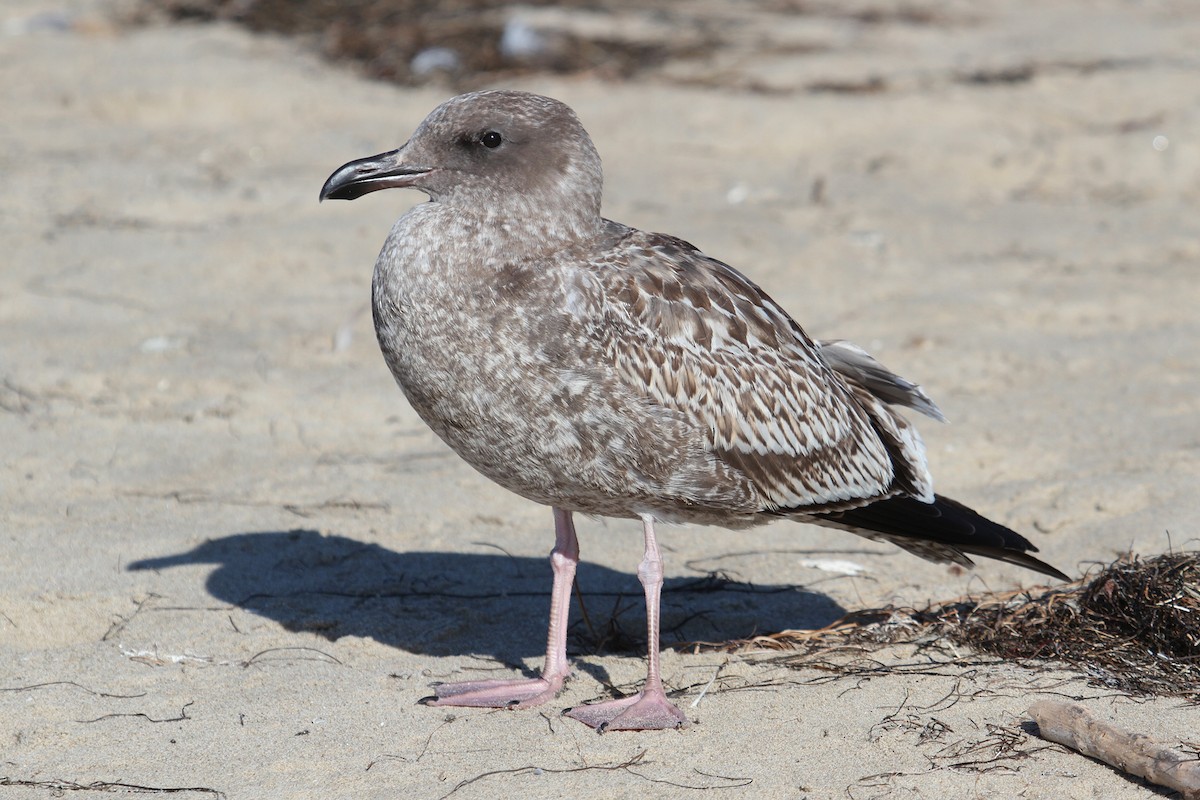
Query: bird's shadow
point(491, 604)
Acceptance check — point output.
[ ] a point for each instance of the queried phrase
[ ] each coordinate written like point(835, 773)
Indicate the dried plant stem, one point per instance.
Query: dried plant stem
point(1073, 725)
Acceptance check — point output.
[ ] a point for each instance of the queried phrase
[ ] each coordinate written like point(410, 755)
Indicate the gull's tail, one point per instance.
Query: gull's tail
point(944, 530)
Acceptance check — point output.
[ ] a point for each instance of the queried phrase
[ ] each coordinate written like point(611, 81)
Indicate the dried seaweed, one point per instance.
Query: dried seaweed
point(385, 36)
point(1134, 627)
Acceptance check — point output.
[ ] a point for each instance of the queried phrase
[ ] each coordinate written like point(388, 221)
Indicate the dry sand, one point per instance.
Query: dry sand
point(189, 384)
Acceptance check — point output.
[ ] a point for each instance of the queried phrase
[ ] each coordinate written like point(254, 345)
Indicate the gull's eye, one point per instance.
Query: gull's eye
point(491, 140)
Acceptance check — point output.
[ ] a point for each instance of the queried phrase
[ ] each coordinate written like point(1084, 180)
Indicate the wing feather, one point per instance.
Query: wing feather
point(693, 335)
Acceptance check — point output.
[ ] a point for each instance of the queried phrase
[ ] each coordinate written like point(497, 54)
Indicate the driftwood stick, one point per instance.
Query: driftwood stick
point(1073, 725)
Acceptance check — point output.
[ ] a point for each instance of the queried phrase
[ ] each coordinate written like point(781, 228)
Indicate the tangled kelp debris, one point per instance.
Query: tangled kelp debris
point(469, 43)
point(1134, 627)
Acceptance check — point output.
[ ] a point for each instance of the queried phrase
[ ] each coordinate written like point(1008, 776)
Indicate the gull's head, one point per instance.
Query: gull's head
point(495, 152)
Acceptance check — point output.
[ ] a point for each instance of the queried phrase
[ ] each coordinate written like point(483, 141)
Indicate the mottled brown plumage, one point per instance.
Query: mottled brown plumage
point(597, 368)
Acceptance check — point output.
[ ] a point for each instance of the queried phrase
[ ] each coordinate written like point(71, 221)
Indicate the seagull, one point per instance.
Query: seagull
point(599, 369)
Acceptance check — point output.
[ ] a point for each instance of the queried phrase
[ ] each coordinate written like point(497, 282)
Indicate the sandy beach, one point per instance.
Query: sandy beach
point(235, 558)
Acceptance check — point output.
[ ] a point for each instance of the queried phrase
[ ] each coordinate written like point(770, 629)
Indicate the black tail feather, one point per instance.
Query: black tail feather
point(944, 530)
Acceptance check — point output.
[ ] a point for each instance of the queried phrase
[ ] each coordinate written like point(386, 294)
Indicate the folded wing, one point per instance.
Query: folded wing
point(695, 336)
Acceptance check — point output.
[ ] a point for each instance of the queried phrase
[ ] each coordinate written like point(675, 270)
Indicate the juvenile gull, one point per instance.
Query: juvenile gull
point(596, 368)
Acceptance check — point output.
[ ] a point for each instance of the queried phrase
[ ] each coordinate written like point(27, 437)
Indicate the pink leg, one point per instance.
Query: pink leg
point(649, 709)
point(528, 692)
